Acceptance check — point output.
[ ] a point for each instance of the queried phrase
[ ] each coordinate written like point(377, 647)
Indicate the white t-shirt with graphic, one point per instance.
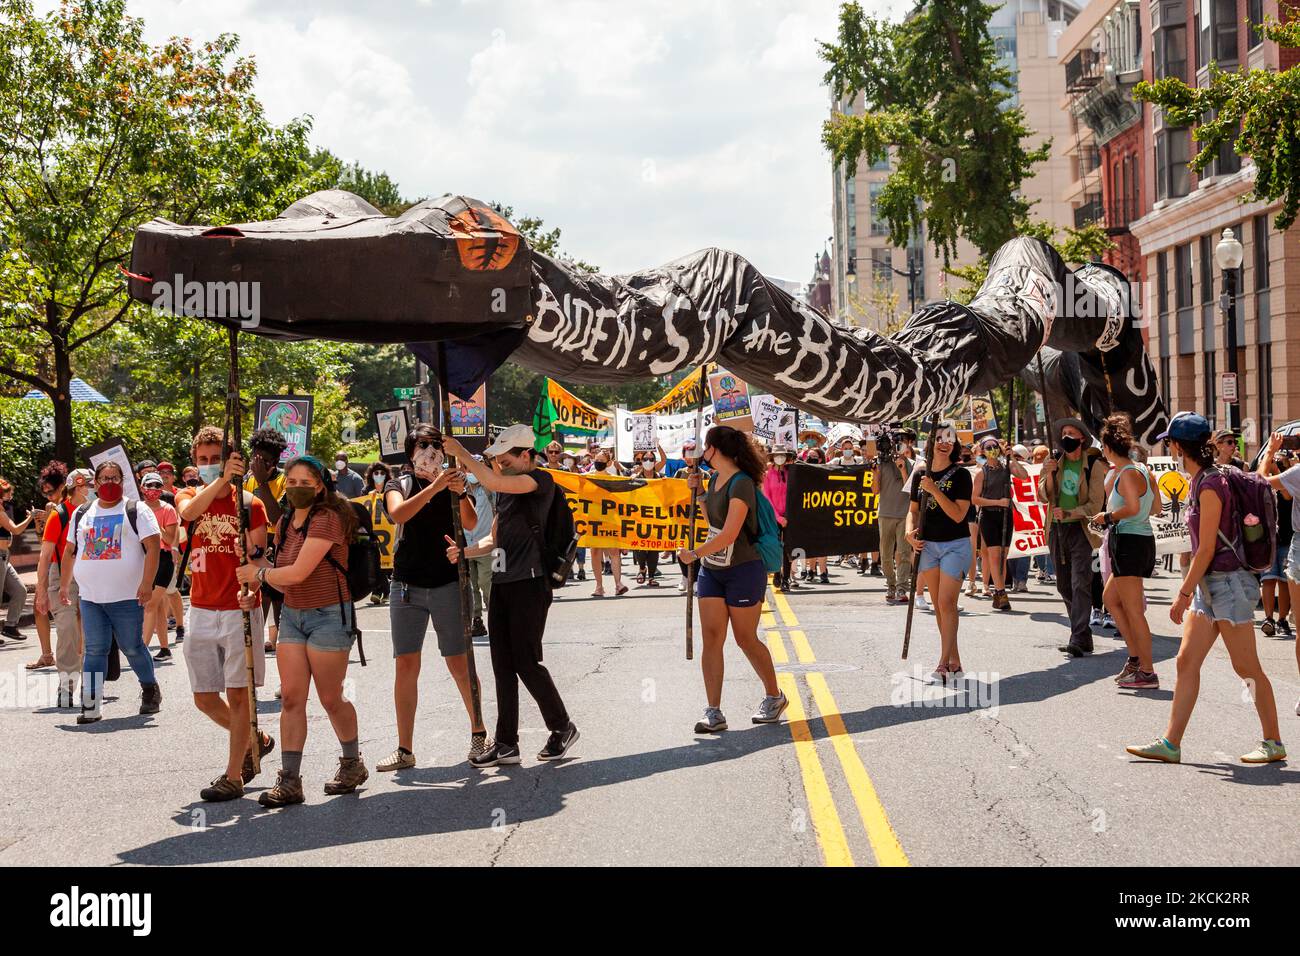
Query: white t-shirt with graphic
point(110, 557)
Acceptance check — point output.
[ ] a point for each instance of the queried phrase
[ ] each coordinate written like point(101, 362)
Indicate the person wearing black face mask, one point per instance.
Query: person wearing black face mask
point(1073, 488)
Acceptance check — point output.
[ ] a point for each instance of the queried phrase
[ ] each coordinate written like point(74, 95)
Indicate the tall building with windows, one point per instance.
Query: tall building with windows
point(1103, 58)
point(869, 277)
point(1187, 216)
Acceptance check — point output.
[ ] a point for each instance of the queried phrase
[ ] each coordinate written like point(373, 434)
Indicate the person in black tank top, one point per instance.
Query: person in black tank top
point(936, 528)
point(991, 493)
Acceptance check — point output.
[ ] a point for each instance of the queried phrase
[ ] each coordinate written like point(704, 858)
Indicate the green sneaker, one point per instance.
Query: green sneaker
point(1160, 749)
point(1266, 752)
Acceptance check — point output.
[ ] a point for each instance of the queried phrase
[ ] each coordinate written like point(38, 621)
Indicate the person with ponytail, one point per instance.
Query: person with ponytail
point(1221, 594)
point(1132, 498)
point(732, 577)
point(316, 625)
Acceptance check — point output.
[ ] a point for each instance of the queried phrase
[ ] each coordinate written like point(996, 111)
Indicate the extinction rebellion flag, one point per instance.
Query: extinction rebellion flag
point(831, 511)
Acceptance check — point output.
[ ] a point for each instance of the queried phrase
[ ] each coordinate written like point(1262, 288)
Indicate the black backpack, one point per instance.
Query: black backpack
point(557, 537)
point(81, 509)
point(362, 570)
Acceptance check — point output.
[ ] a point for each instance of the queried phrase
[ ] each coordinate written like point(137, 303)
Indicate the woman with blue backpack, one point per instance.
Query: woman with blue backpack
point(735, 560)
point(1218, 587)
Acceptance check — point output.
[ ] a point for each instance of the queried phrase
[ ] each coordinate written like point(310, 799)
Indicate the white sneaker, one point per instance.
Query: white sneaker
point(1108, 621)
point(921, 603)
point(1094, 619)
point(681, 586)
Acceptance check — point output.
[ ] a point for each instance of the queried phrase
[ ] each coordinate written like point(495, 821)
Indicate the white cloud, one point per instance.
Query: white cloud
point(645, 129)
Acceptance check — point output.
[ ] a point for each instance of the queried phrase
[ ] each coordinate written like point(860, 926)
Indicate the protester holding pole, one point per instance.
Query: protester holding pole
point(944, 490)
point(732, 577)
point(317, 623)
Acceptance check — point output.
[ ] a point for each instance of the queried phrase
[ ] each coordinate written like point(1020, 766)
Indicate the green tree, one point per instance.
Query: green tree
point(1253, 111)
point(101, 131)
point(934, 91)
point(376, 188)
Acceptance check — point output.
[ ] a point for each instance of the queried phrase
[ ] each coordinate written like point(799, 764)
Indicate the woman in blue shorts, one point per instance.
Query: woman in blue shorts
point(732, 575)
point(1221, 593)
point(941, 535)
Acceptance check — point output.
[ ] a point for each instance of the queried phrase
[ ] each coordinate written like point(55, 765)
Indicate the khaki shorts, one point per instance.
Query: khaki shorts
point(67, 626)
point(214, 650)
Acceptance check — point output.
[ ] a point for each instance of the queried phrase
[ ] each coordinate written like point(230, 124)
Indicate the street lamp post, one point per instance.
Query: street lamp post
point(910, 275)
point(1228, 254)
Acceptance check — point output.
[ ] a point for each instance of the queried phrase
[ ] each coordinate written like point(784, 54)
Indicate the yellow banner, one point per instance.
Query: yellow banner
point(573, 414)
point(682, 396)
point(385, 530)
point(632, 513)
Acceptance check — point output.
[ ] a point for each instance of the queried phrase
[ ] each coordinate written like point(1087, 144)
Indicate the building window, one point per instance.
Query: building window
point(1207, 269)
point(1217, 23)
point(916, 265)
point(879, 227)
point(1165, 375)
point(1170, 43)
point(882, 276)
point(1183, 276)
point(1162, 283)
point(1172, 152)
point(1264, 355)
point(1261, 253)
point(1254, 16)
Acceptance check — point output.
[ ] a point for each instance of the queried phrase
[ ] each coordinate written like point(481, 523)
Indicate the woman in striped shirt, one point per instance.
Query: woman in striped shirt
point(316, 624)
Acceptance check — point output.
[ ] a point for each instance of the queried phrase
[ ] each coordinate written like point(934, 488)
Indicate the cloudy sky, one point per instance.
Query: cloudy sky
point(645, 130)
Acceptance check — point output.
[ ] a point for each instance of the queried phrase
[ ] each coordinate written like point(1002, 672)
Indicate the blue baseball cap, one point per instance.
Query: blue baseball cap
point(1186, 426)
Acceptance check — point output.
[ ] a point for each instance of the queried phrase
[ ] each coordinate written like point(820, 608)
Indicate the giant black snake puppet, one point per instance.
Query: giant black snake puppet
point(453, 270)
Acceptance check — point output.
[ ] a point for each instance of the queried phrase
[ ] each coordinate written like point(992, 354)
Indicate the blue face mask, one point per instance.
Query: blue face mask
point(471, 478)
point(209, 473)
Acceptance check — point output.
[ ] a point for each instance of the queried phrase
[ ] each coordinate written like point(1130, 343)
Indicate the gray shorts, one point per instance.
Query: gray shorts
point(1227, 596)
point(214, 650)
point(1292, 566)
point(410, 611)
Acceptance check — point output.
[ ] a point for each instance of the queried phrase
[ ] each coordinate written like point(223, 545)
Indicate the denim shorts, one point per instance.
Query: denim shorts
point(741, 586)
point(1278, 571)
point(320, 628)
point(1293, 560)
point(952, 558)
point(1227, 596)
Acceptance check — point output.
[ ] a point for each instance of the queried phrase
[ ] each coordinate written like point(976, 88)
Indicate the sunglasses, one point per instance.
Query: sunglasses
point(429, 443)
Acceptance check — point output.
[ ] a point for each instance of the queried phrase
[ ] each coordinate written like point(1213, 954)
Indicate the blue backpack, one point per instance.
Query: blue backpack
point(768, 540)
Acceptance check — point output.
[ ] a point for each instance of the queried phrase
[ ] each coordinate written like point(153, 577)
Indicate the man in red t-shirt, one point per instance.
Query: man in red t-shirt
point(214, 650)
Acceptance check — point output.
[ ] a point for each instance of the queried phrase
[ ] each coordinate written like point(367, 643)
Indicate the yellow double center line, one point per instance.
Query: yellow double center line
point(821, 805)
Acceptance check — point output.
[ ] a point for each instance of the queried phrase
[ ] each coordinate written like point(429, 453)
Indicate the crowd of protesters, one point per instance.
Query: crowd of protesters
point(112, 570)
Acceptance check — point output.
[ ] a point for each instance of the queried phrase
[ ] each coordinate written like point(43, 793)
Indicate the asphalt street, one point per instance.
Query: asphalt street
point(1024, 764)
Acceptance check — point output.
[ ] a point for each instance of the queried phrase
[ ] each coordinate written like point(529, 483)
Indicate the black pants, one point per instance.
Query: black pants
point(1072, 555)
point(516, 623)
point(648, 561)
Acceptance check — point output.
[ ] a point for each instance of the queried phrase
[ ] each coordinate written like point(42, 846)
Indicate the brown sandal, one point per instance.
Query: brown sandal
point(45, 660)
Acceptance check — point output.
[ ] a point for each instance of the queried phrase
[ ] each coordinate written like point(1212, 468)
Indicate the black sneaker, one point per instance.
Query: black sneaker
point(825, 578)
point(180, 635)
point(582, 574)
point(496, 755)
point(477, 629)
point(150, 698)
point(12, 632)
point(164, 654)
point(558, 744)
point(1284, 627)
point(1074, 650)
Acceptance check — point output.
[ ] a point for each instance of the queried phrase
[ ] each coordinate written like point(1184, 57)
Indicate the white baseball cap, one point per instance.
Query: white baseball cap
point(516, 436)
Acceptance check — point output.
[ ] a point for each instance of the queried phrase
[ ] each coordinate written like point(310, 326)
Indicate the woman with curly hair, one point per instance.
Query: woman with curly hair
point(732, 577)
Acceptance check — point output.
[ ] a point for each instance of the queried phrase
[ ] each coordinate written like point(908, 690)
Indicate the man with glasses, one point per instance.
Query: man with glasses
point(426, 586)
point(1226, 450)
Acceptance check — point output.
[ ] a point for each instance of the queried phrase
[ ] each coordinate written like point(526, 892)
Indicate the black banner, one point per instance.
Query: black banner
point(454, 270)
point(831, 510)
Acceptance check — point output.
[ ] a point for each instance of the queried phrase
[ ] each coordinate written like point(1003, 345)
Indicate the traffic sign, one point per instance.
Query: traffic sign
point(405, 394)
point(1228, 387)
